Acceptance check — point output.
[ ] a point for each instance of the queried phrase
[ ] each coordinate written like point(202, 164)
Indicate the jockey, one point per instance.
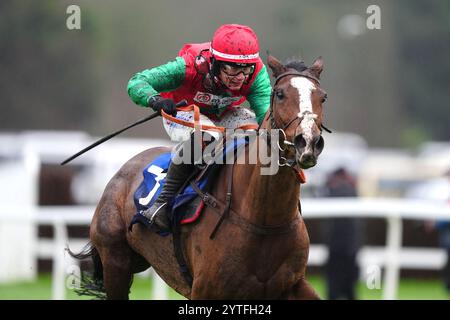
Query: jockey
point(218, 76)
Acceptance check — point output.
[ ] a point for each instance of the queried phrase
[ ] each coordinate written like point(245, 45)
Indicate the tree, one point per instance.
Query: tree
point(47, 74)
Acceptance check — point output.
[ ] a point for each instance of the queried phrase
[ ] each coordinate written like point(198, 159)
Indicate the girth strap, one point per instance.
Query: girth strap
point(226, 210)
point(177, 247)
point(177, 241)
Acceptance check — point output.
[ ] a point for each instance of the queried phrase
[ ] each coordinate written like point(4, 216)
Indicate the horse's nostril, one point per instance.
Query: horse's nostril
point(299, 142)
point(307, 160)
point(320, 143)
point(307, 157)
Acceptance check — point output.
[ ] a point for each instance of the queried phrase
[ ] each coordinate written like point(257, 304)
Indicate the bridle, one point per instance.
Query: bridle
point(291, 162)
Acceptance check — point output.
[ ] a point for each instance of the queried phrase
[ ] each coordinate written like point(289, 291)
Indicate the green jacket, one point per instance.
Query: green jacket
point(179, 80)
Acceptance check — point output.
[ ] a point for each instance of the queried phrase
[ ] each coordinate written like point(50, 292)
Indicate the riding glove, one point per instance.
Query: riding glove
point(158, 103)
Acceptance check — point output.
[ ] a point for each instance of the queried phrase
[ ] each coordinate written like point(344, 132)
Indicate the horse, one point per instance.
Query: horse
point(261, 249)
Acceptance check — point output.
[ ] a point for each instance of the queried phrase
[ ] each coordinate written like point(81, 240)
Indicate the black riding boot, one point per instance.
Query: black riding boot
point(157, 214)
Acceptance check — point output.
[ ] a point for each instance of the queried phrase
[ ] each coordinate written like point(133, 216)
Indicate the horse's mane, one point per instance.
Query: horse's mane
point(296, 64)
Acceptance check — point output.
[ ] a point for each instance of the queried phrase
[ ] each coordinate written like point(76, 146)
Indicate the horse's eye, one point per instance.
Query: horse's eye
point(324, 98)
point(279, 94)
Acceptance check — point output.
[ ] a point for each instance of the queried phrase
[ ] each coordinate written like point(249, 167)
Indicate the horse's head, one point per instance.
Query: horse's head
point(296, 108)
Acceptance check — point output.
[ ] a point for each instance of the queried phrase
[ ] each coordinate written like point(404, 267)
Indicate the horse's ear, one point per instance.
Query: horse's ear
point(317, 67)
point(275, 65)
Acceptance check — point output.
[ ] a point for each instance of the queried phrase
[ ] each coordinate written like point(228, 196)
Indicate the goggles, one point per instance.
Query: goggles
point(235, 70)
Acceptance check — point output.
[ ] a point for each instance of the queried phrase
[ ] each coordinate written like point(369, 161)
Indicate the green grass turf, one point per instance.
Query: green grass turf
point(142, 288)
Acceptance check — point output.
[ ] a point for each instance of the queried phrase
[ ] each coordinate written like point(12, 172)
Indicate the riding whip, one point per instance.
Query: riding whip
point(154, 115)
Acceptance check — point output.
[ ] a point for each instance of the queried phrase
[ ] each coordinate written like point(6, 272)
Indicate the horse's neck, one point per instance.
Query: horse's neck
point(265, 199)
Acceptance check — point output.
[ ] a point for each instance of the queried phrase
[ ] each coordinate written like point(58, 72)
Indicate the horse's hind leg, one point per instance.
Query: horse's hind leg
point(119, 263)
point(117, 270)
point(302, 291)
point(108, 235)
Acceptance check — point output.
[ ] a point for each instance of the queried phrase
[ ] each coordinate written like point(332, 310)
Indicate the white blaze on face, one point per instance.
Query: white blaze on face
point(305, 88)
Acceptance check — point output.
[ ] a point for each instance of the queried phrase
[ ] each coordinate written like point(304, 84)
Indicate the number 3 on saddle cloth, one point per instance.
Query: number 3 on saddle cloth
point(187, 205)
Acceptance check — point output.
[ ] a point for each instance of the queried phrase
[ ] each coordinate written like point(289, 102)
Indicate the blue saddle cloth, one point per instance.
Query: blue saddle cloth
point(153, 182)
point(154, 178)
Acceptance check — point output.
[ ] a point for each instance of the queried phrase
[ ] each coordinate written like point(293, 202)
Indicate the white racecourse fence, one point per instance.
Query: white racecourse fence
point(393, 257)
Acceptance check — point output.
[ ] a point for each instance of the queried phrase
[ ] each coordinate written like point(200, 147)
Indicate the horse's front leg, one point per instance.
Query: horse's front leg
point(302, 290)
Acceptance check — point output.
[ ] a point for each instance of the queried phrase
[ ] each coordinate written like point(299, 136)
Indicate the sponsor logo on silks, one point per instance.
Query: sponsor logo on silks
point(213, 100)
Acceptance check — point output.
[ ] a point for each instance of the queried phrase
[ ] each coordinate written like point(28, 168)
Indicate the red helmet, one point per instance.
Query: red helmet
point(235, 43)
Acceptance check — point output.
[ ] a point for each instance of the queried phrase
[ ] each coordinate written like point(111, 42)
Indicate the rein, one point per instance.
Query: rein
point(196, 124)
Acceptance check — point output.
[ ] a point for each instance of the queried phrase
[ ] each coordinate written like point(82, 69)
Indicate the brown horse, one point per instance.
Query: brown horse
point(261, 249)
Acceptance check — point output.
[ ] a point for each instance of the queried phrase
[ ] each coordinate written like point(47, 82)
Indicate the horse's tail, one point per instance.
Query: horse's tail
point(91, 284)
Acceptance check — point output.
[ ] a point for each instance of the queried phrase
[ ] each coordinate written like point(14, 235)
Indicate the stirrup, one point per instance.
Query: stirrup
point(152, 218)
